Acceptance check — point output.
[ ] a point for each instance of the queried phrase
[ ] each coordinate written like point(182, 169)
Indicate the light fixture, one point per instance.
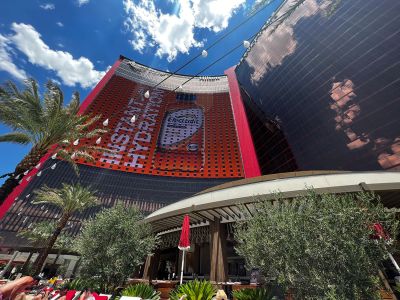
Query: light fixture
point(133, 119)
point(38, 166)
point(73, 155)
point(204, 53)
point(98, 141)
point(54, 156)
point(105, 123)
point(147, 94)
point(26, 172)
point(76, 142)
point(246, 44)
point(180, 88)
point(53, 166)
point(18, 176)
point(39, 173)
point(28, 178)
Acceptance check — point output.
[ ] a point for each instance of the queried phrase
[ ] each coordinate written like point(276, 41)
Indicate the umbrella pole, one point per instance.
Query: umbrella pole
point(394, 262)
point(183, 263)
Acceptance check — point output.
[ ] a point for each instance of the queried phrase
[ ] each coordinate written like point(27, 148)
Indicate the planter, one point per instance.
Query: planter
point(386, 295)
point(133, 281)
point(164, 287)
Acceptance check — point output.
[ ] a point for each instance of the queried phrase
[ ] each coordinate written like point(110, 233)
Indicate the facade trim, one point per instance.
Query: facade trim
point(20, 188)
point(249, 157)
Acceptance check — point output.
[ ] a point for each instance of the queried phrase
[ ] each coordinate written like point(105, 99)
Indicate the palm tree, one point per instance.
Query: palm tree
point(39, 235)
point(70, 199)
point(45, 124)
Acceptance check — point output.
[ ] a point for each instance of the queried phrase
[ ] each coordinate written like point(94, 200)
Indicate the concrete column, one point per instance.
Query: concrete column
point(71, 266)
point(151, 266)
point(219, 264)
point(9, 264)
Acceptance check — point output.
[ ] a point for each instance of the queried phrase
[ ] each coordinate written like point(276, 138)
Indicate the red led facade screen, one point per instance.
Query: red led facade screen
point(168, 134)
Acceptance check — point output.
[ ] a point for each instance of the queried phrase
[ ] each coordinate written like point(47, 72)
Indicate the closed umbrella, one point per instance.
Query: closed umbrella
point(184, 241)
point(381, 234)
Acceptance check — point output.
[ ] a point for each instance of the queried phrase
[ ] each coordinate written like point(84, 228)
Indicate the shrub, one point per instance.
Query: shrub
point(113, 244)
point(194, 290)
point(81, 284)
point(141, 290)
point(253, 294)
point(319, 245)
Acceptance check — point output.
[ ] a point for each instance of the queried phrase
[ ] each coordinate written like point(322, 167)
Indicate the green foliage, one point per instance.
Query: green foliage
point(253, 294)
point(194, 290)
point(46, 122)
point(40, 233)
point(141, 290)
point(80, 284)
point(113, 244)
point(318, 245)
point(70, 198)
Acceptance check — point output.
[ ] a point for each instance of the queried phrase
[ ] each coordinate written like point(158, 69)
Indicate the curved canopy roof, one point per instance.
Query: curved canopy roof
point(226, 201)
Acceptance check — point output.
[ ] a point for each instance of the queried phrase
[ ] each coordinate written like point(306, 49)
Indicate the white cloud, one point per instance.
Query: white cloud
point(281, 41)
point(60, 24)
point(6, 62)
point(60, 45)
point(71, 71)
point(214, 14)
point(175, 33)
point(82, 2)
point(48, 6)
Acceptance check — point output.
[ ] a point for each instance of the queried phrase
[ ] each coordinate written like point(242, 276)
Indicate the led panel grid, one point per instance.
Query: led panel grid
point(214, 147)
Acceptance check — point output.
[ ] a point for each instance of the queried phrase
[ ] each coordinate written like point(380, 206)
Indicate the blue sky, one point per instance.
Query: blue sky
point(74, 41)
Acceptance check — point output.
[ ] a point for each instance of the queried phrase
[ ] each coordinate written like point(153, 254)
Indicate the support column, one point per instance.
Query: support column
point(9, 264)
point(151, 266)
point(73, 263)
point(26, 263)
point(218, 259)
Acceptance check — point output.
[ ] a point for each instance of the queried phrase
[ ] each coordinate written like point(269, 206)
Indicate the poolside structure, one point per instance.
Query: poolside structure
point(314, 101)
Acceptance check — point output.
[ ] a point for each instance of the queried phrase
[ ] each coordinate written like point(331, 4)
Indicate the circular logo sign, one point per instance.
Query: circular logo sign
point(192, 147)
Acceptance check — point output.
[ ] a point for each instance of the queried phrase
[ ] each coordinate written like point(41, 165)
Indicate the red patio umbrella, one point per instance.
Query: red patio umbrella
point(184, 241)
point(381, 234)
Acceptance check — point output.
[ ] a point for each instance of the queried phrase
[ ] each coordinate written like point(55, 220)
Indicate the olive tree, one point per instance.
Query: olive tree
point(113, 244)
point(319, 246)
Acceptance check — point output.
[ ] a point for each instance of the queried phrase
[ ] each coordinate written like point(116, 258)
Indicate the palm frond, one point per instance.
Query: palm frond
point(41, 232)
point(48, 195)
point(141, 290)
point(73, 106)
point(69, 198)
point(84, 155)
point(53, 99)
point(47, 123)
point(87, 121)
point(16, 137)
point(34, 88)
point(67, 156)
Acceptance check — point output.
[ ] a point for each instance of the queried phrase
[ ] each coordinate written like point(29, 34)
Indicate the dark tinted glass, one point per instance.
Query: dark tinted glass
point(327, 79)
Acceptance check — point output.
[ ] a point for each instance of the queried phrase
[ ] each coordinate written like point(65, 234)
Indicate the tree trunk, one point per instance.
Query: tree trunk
point(29, 161)
point(45, 252)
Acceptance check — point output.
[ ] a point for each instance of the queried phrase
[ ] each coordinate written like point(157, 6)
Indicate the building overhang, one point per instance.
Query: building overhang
point(227, 202)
